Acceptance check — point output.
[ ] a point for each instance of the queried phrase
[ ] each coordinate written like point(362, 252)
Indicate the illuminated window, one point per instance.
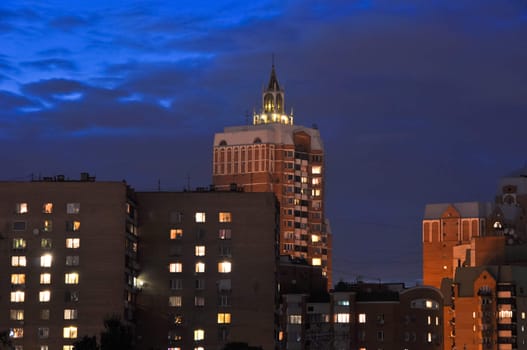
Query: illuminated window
point(45, 243)
point(16, 333)
point(44, 296)
point(45, 260)
point(316, 169)
point(224, 233)
point(67, 347)
point(19, 243)
point(18, 278)
point(224, 318)
point(178, 319)
point(72, 260)
point(18, 260)
point(48, 226)
point(343, 302)
point(505, 314)
point(316, 192)
point(199, 334)
point(295, 319)
point(73, 243)
point(73, 208)
point(225, 217)
point(200, 250)
point(523, 315)
point(224, 267)
point(47, 208)
point(200, 217)
point(341, 318)
point(316, 181)
point(316, 262)
point(45, 278)
point(175, 301)
point(17, 296)
point(22, 208)
point(429, 337)
point(16, 315)
point(429, 320)
point(73, 226)
point(199, 301)
point(362, 318)
point(200, 267)
point(175, 267)
point(71, 278)
point(43, 332)
point(69, 332)
point(315, 238)
point(176, 233)
point(44, 314)
point(70, 314)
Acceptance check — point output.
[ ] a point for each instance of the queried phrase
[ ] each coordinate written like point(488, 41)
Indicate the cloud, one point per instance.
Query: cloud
point(51, 64)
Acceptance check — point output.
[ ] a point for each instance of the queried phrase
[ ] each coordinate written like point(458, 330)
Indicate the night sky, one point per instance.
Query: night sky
point(417, 101)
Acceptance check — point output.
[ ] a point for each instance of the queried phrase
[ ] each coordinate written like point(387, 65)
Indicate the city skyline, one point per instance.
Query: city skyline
point(407, 97)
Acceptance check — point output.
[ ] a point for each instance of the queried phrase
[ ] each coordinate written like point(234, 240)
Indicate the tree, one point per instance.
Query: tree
point(86, 343)
point(116, 336)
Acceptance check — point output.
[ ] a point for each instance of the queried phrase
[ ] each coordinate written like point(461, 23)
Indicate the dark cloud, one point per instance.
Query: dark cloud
point(69, 22)
point(10, 101)
point(51, 64)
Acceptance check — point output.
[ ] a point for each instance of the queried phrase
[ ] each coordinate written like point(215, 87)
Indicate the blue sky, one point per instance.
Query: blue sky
point(417, 101)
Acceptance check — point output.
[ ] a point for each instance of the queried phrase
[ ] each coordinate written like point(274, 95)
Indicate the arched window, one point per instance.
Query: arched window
point(268, 103)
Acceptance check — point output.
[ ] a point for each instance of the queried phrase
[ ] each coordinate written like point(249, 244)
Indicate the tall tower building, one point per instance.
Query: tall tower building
point(275, 155)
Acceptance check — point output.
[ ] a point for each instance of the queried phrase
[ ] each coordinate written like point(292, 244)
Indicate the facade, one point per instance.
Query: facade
point(275, 155)
point(364, 316)
point(67, 259)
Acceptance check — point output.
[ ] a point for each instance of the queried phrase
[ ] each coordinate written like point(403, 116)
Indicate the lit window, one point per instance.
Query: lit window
point(67, 347)
point(176, 233)
point(18, 278)
point(70, 314)
point(199, 334)
point(73, 226)
point(295, 319)
point(523, 315)
point(315, 181)
point(200, 217)
point(44, 347)
point(175, 301)
point(343, 302)
point(199, 301)
point(72, 260)
point(45, 260)
point(225, 217)
point(44, 296)
point(19, 243)
point(18, 260)
point(224, 233)
point(362, 318)
point(342, 318)
point(175, 267)
point(200, 267)
point(46, 243)
point(315, 238)
point(22, 208)
point(73, 243)
point(16, 315)
point(73, 208)
point(48, 225)
point(429, 320)
point(43, 332)
point(16, 332)
point(316, 169)
point(224, 267)
point(200, 250)
point(316, 262)
point(429, 337)
point(71, 278)
point(505, 314)
point(47, 208)
point(45, 278)
point(17, 296)
point(316, 192)
point(224, 318)
point(69, 332)
point(178, 319)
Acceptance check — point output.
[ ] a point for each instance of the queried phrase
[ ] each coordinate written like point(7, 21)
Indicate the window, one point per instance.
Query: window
point(200, 216)
point(380, 335)
point(316, 181)
point(199, 334)
point(19, 243)
point(224, 285)
point(316, 262)
point(17, 296)
point(73, 225)
point(316, 169)
point(176, 233)
point(71, 278)
point(19, 225)
point(295, 319)
point(224, 233)
point(362, 318)
point(46, 260)
point(224, 318)
point(200, 284)
point(70, 314)
point(225, 217)
point(175, 301)
point(200, 250)
point(47, 208)
point(175, 267)
point(224, 300)
point(343, 302)
point(48, 226)
point(44, 314)
point(45, 278)
point(224, 267)
point(72, 260)
point(315, 238)
point(43, 332)
point(73, 208)
point(200, 267)
point(73, 243)
point(176, 284)
point(18, 278)
point(342, 318)
point(178, 319)
point(16, 333)
point(44, 296)
point(45, 243)
point(18, 260)
point(69, 332)
point(16, 315)
point(67, 347)
point(22, 208)
point(199, 301)
point(71, 296)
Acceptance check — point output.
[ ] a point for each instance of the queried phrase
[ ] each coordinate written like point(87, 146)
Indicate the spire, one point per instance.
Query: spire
point(273, 81)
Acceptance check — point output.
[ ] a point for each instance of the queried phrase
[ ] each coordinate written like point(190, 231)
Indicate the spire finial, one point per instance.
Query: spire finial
point(272, 59)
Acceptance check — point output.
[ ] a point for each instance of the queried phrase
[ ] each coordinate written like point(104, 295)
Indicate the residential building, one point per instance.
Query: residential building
point(275, 155)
